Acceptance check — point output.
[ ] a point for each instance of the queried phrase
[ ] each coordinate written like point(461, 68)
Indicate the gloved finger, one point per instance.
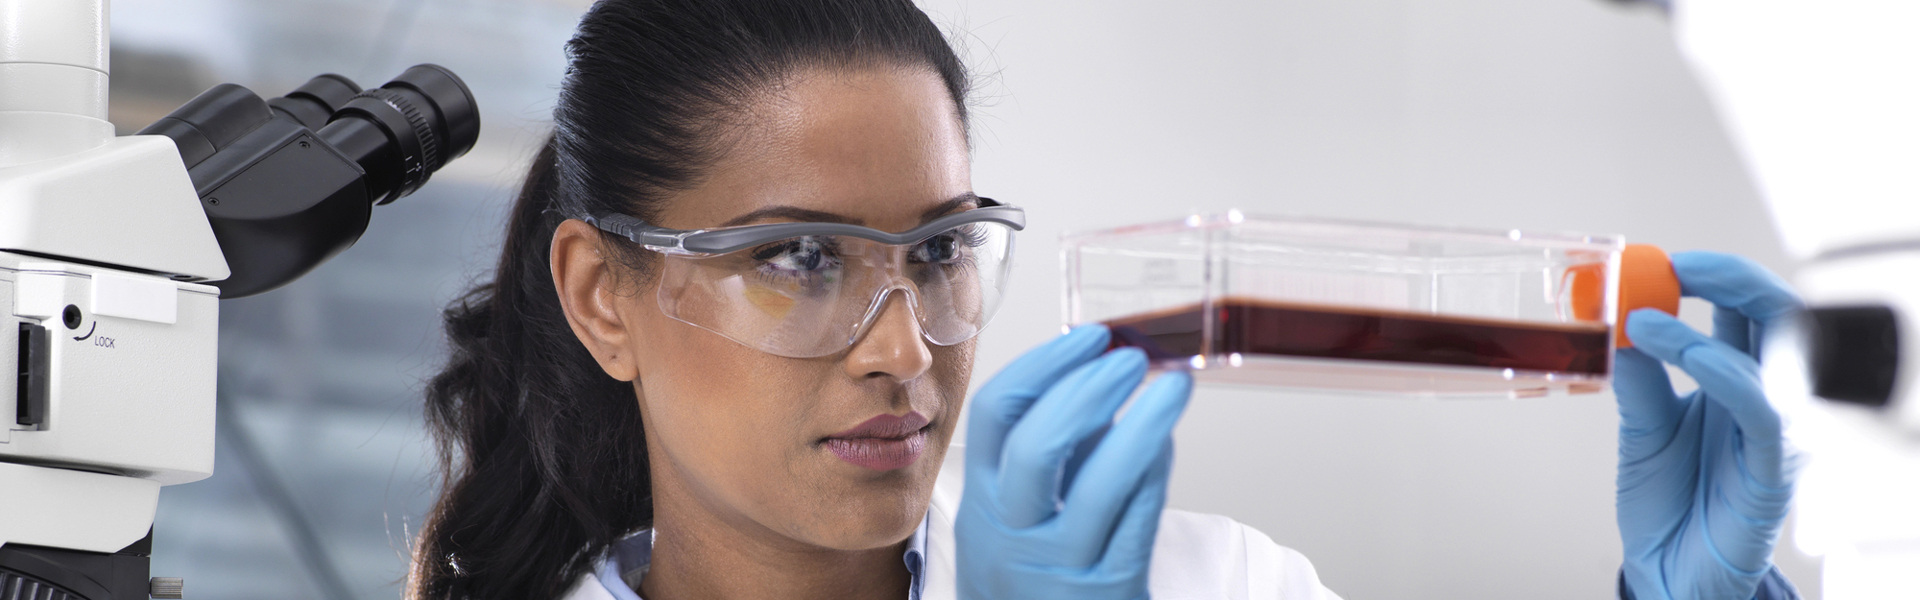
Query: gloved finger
point(1736, 330)
point(1130, 548)
point(1736, 283)
point(1124, 460)
point(1033, 462)
point(1004, 399)
point(1648, 407)
point(1727, 376)
point(1081, 452)
point(1741, 516)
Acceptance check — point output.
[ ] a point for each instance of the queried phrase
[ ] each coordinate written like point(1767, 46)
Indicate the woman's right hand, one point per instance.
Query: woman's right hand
point(1062, 502)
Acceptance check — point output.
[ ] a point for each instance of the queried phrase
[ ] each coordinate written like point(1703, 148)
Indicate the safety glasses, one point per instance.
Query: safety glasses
point(806, 290)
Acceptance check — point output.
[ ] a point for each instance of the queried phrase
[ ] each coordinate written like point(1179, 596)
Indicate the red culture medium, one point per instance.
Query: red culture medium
point(1257, 327)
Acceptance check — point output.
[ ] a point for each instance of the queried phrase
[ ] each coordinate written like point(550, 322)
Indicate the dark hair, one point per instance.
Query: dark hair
point(543, 462)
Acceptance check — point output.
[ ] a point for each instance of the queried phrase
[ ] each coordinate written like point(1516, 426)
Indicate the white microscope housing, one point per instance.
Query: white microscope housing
point(115, 253)
point(1823, 100)
point(110, 344)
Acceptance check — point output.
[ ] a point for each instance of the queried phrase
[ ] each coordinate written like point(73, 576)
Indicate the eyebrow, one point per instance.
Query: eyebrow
point(796, 213)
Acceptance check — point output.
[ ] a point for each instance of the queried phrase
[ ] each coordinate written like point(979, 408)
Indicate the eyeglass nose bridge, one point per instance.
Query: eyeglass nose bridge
point(910, 291)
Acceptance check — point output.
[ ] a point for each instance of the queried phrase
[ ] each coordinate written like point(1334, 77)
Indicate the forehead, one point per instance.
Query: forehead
point(875, 146)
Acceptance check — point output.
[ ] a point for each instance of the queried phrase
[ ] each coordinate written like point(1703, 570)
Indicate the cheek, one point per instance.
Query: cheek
point(952, 370)
point(736, 428)
point(946, 380)
point(721, 412)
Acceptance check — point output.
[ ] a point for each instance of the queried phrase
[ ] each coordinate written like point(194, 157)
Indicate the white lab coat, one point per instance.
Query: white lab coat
point(1196, 556)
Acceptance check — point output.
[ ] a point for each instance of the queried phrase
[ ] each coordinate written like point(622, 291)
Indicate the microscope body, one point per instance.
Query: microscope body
point(1829, 126)
point(108, 346)
point(115, 253)
point(99, 416)
point(111, 397)
point(1823, 101)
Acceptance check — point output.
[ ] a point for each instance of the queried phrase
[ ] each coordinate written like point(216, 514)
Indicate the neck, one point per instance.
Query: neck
point(698, 553)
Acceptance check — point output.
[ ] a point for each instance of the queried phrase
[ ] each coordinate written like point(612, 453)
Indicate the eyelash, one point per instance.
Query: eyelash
point(975, 235)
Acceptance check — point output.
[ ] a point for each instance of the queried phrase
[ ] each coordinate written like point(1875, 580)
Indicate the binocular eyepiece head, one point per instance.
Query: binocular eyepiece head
point(289, 182)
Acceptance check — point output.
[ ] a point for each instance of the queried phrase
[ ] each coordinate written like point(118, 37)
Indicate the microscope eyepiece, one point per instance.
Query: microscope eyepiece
point(314, 102)
point(403, 131)
point(1853, 353)
point(211, 121)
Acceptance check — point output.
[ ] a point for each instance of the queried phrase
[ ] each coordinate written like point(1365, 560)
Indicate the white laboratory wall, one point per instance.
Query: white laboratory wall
point(1545, 115)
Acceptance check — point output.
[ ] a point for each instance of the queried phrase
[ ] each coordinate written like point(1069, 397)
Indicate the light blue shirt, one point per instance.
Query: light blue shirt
point(627, 561)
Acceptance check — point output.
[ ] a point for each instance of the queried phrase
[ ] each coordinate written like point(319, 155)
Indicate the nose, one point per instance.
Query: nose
point(892, 346)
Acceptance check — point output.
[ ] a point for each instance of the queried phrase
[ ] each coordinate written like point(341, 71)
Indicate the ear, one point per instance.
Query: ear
point(583, 278)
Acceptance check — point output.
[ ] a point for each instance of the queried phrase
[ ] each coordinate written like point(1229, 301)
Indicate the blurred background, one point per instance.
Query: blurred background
point(1561, 115)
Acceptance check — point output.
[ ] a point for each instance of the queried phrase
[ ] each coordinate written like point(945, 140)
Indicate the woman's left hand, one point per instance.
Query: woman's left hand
point(1705, 479)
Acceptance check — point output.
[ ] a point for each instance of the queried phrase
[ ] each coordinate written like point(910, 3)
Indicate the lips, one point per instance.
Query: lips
point(882, 443)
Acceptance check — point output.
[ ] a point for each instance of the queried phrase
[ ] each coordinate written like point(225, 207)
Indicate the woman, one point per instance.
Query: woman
point(732, 329)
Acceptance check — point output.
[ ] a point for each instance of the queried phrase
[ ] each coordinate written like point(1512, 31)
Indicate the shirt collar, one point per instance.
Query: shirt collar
point(916, 559)
point(627, 560)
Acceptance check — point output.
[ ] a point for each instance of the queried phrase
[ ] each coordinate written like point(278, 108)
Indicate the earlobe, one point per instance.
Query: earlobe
point(585, 287)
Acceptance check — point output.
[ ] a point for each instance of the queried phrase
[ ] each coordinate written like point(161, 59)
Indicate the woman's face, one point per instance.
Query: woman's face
point(750, 436)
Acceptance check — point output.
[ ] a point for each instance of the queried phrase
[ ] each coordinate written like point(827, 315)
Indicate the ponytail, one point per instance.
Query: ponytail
point(542, 453)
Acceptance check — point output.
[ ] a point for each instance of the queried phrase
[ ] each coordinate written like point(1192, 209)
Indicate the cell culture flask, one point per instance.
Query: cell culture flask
point(1323, 304)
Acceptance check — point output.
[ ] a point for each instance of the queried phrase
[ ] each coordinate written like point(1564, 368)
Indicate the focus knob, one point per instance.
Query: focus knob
point(166, 587)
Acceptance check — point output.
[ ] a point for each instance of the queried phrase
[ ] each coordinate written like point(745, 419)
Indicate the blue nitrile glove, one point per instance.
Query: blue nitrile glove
point(1061, 501)
point(1704, 479)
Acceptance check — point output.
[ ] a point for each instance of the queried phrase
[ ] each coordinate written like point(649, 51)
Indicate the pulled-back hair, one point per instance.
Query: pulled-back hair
point(543, 460)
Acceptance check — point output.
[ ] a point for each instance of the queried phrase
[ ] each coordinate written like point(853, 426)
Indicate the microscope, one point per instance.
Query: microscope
point(115, 253)
point(1823, 101)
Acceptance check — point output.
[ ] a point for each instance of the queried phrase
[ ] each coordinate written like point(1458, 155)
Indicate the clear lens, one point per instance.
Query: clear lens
point(816, 295)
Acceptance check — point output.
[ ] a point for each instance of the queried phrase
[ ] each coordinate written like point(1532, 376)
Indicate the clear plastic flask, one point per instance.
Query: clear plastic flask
point(1372, 307)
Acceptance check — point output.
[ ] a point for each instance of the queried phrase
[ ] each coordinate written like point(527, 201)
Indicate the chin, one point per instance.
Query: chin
point(864, 519)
